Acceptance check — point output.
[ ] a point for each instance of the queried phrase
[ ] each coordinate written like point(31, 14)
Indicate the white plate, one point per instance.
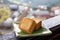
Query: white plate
point(38, 33)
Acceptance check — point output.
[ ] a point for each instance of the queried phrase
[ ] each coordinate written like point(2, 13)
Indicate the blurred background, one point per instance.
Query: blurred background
point(35, 3)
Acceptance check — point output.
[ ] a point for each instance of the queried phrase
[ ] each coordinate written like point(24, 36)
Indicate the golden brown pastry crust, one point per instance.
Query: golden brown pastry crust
point(27, 25)
point(38, 23)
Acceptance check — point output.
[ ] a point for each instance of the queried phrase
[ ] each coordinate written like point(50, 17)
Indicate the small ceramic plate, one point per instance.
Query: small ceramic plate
point(41, 32)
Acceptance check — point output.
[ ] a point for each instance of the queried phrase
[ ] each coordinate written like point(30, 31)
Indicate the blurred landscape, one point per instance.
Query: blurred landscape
point(35, 3)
